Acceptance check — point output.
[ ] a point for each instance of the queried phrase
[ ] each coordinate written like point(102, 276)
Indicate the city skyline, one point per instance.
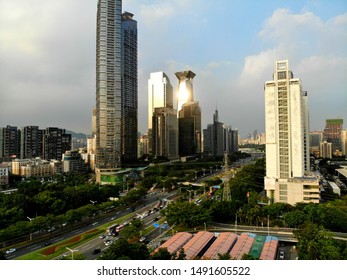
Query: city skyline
point(48, 57)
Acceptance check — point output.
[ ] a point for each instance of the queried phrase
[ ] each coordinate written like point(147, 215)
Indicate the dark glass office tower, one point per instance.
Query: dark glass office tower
point(129, 88)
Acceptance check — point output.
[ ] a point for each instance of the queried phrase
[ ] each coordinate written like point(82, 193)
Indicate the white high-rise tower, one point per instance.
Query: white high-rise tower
point(288, 177)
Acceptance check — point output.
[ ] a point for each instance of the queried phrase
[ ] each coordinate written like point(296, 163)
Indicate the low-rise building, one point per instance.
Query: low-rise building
point(73, 162)
point(32, 168)
point(4, 177)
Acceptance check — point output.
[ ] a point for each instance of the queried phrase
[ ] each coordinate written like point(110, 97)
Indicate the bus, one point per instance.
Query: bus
point(112, 230)
point(119, 228)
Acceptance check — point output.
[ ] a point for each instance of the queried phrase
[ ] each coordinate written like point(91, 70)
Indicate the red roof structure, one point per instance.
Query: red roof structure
point(196, 246)
point(176, 242)
point(242, 246)
point(222, 245)
point(270, 248)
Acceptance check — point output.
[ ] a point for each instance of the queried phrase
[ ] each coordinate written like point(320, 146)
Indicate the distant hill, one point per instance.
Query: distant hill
point(76, 135)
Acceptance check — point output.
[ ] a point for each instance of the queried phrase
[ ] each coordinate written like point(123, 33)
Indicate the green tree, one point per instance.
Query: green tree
point(225, 256)
point(248, 257)
point(316, 243)
point(295, 218)
point(181, 255)
point(334, 217)
point(221, 211)
point(122, 249)
point(162, 254)
point(2, 255)
point(132, 230)
point(186, 213)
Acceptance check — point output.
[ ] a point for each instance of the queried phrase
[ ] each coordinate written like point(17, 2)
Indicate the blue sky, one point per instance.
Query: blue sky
point(47, 57)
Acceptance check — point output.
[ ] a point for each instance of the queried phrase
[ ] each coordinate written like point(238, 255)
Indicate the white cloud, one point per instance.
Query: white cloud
point(305, 34)
point(256, 68)
point(317, 54)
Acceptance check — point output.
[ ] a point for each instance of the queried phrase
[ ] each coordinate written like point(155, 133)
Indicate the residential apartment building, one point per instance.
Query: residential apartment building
point(31, 144)
point(9, 142)
point(326, 150)
point(55, 143)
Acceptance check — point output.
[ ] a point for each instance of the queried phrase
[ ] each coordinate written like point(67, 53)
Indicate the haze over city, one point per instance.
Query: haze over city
point(47, 55)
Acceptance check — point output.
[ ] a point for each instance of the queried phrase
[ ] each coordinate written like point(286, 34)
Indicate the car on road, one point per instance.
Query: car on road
point(108, 242)
point(95, 223)
point(198, 201)
point(143, 239)
point(47, 243)
point(102, 236)
point(112, 218)
point(10, 251)
point(51, 229)
point(96, 251)
point(281, 255)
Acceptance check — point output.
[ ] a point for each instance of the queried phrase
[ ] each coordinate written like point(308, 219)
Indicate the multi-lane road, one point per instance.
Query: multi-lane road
point(87, 248)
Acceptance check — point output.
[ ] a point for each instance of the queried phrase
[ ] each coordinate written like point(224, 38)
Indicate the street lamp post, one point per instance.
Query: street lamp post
point(236, 223)
point(205, 225)
point(71, 250)
point(31, 234)
point(190, 195)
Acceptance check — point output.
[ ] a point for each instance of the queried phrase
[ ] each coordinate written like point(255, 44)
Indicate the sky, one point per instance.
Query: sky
point(47, 57)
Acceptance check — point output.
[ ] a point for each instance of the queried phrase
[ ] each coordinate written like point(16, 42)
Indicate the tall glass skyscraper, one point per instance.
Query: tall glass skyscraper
point(108, 83)
point(129, 88)
point(116, 85)
point(160, 94)
point(185, 88)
